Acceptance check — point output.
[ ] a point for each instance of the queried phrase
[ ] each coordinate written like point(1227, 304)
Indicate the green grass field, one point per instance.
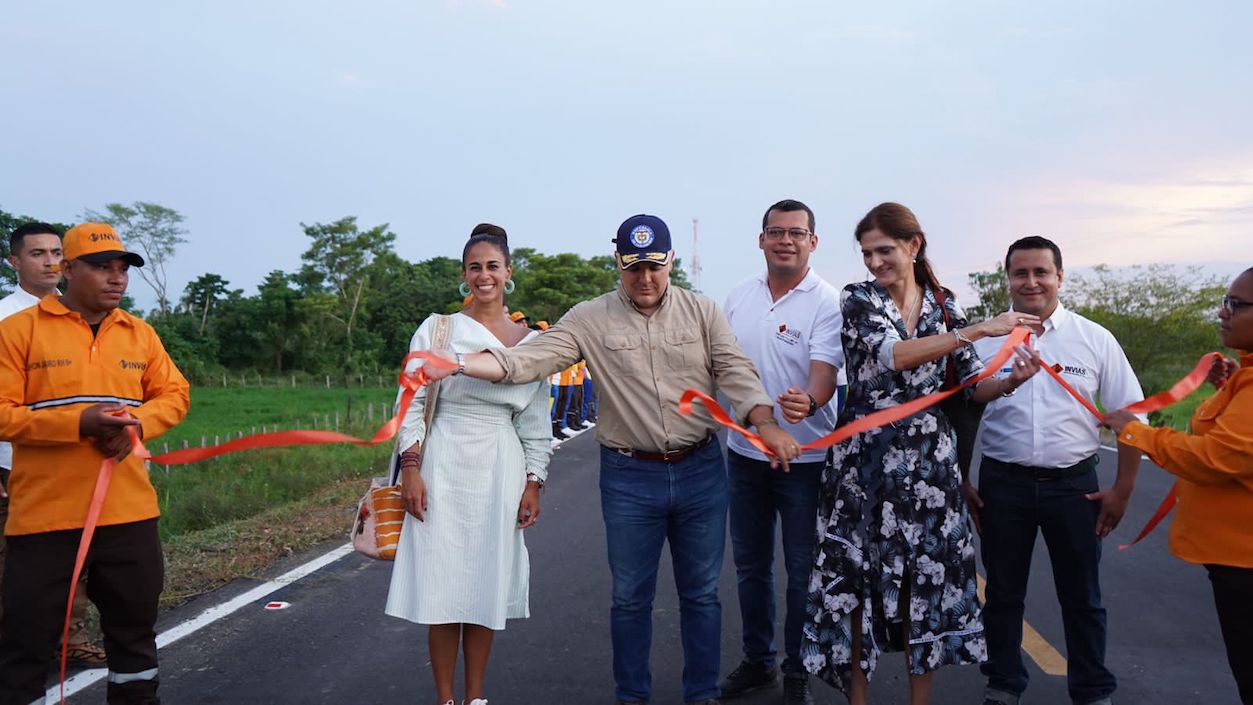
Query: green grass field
point(201, 495)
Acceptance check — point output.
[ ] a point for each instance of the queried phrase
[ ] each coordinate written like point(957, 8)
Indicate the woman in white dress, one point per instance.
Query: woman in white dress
point(471, 485)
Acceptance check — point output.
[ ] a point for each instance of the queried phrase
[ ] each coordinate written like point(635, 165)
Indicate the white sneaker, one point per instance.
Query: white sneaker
point(476, 701)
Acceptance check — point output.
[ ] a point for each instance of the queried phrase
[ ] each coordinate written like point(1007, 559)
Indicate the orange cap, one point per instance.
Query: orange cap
point(96, 243)
point(517, 316)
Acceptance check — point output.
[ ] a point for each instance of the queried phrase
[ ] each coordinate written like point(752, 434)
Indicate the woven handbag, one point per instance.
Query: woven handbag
point(381, 512)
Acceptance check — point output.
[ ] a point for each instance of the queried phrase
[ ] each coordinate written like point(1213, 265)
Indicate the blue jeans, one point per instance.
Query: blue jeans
point(758, 494)
point(646, 503)
point(1015, 506)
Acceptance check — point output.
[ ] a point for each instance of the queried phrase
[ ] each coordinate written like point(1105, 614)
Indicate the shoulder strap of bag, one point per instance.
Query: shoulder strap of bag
point(950, 371)
point(443, 329)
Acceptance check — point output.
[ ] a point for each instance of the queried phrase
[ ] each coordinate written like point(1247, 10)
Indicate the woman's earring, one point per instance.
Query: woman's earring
point(510, 286)
point(464, 289)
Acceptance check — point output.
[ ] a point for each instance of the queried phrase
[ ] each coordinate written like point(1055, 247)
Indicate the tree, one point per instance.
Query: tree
point(337, 261)
point(201, 295)
point(1163, 316)
point(549, 285)
point(402, 294)
point(156, 229)
point(992, 289)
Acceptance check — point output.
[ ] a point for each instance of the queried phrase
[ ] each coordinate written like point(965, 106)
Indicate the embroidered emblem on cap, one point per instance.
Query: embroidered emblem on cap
point(642, 236)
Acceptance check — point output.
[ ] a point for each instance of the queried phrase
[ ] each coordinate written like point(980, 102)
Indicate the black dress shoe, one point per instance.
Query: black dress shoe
point(796, 689)
point(747, 678)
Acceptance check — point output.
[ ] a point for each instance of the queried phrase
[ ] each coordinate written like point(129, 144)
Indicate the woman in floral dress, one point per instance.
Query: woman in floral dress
point(894, 568)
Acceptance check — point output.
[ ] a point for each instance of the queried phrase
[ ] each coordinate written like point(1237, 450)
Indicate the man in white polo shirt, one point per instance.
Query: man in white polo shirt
point(1038, 474)
point(788, 322)
point(35, 254)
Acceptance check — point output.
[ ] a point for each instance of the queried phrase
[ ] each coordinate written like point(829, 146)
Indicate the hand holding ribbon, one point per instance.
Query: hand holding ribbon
point(866, 423)
point(118, 433)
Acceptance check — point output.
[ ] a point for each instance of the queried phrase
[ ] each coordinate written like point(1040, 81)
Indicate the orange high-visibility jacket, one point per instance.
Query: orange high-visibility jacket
point(51, 368)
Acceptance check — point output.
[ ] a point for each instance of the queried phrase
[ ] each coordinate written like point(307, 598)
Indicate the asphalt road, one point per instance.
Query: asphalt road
point(334, 645)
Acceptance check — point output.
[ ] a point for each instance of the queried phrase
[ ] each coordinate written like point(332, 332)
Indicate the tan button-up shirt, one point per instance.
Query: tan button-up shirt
point(642, 364)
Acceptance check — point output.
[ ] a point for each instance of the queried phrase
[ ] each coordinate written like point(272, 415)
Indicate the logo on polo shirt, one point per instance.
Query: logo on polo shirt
point(1075, 371)
point(45, 364)
point(128, 365)
point(791, 336)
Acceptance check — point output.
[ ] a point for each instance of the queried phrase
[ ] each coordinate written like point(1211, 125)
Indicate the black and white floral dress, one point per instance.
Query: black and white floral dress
point(891, 509)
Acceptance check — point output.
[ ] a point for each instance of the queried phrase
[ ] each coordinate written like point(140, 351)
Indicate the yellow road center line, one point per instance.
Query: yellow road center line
point(1036, 646)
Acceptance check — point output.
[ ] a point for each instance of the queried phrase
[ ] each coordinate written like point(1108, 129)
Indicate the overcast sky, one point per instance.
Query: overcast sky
point(1120, 129)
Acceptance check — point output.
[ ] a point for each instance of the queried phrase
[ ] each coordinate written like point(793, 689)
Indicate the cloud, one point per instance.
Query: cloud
point(1202, 214)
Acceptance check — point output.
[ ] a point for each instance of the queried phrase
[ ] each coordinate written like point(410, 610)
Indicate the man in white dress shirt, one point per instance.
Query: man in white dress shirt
point(788, 322)
point(1038, 474)
point(35, 254)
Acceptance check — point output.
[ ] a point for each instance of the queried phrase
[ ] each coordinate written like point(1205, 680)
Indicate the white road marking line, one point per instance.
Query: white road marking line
point(82, 680)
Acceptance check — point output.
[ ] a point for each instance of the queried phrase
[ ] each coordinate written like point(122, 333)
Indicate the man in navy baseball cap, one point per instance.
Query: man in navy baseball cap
point(643, 238)
point(662, 473)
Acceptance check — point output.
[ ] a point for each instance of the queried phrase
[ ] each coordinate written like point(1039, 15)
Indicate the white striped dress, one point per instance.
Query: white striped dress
point(467, 562)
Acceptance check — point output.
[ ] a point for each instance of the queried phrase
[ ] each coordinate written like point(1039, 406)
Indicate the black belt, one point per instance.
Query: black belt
point(1088, 464)
point(670, 456)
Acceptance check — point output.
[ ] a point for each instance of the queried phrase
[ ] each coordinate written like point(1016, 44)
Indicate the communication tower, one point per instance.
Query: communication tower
point(693, 269)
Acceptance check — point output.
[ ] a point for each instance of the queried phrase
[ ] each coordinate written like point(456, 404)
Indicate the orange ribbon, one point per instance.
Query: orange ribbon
point(870, 421)
point(1178, 391)
point(411, 382)
point(1161, 400)
point(1190, 383)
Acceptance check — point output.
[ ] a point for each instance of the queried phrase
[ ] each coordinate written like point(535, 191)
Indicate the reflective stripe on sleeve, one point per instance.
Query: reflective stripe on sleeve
point(148, 675)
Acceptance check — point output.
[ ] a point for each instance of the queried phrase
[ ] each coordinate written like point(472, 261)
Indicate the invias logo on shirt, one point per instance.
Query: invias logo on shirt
point(791, 336)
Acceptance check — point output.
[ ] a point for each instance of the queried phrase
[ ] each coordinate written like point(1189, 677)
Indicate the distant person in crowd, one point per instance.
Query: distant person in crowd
point(564, 382)
point(894, 567)
point(662, 475)
point(1214, 463)
point(788, 321)
point(574, 404)
point(1039, 477)
point(35, 254)
point(69, 367)
point(589, 397)
point(521, 319)
point(471, 485)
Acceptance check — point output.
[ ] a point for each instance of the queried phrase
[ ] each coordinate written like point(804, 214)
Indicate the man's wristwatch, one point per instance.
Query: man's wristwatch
point(461, 364)
point(813, 406)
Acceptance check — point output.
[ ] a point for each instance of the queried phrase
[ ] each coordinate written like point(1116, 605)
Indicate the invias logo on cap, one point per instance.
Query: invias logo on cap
point(642, 236)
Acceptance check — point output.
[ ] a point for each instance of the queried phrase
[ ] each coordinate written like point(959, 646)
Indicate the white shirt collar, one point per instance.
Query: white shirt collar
point(810, 280)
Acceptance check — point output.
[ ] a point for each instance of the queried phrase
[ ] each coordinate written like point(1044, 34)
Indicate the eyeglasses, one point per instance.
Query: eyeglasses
point(1231, 304)
point(796, 234)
